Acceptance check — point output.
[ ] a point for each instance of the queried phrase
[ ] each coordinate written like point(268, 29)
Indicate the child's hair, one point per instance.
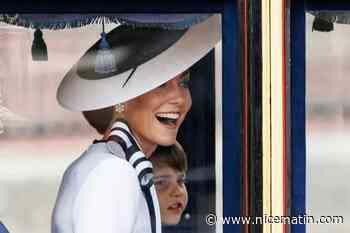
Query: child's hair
point(173, 156)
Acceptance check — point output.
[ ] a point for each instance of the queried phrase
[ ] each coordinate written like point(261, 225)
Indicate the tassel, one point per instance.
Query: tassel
point(39, 49)
point(1, 127)
point(1, 116)
point(105, 61)
point(322, 25)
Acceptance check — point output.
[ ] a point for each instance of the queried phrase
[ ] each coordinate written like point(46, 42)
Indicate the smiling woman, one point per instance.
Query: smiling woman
point(110, 187)
point(162, 111)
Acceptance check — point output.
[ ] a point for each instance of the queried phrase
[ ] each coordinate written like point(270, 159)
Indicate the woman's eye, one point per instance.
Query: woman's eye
point(185, 82)
point(162, 86)
point(182, 181)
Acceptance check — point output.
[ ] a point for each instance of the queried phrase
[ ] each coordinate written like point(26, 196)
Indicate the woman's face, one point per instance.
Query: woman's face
point(172, 194)
point(156, 116)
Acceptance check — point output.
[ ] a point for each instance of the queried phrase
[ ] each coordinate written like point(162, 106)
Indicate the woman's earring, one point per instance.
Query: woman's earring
point(119, 108)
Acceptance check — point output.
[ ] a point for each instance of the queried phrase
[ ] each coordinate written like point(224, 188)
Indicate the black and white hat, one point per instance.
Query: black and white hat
point(145, 58)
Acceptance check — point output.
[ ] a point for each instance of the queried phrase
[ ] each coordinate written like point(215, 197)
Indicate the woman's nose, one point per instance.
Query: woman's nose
point(176, 93)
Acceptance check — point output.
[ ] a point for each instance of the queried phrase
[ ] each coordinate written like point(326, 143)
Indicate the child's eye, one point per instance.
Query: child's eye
point(161, 184)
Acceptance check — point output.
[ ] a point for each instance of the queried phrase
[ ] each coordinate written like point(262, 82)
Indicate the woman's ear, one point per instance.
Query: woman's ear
point(118, 113)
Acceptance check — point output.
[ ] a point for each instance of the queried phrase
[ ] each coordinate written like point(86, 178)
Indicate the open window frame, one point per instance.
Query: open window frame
point(229, 129)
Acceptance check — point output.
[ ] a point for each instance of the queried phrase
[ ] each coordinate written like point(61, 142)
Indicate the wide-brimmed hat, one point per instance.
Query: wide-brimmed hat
point(145, 58)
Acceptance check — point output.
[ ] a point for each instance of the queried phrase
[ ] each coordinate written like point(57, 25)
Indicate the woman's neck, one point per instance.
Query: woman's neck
point(146, 147)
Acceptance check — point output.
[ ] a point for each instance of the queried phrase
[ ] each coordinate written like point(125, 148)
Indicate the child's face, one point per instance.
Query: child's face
point(172, 194)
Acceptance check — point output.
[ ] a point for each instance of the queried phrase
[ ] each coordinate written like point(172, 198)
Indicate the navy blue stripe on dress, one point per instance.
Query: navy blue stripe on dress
point(143, 176)
point(139, 160)
point(131, 139)
point(148, 196)
point(119, 140)
point(131, 151)
point(142, 165)
point(99, 141)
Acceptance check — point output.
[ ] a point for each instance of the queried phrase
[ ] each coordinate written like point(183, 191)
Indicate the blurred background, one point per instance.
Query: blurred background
point(39, 138)
point(328, 124)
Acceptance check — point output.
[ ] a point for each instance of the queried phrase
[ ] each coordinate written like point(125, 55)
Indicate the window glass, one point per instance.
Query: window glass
point(39, 139)
point(328, 118)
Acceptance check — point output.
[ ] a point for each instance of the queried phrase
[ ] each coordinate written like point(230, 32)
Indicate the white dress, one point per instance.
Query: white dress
point(100, 193)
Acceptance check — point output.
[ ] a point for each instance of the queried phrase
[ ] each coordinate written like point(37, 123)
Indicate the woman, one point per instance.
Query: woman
point(110, 188)
point(169, 168)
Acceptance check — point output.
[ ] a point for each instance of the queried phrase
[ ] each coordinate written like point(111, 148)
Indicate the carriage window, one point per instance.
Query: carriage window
point(328, 118)
point(39, 139)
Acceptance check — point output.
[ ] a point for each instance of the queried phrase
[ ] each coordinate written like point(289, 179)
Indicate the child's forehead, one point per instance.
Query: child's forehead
point(166, 169)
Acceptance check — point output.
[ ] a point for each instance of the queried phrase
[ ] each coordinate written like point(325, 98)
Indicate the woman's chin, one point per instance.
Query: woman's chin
point(168, 141)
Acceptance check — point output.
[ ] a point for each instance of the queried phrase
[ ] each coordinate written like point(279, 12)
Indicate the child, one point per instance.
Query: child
point(169, 168)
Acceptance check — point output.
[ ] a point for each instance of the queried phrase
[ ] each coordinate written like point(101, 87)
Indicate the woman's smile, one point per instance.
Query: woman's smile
point(169, 119)
point(156, 116)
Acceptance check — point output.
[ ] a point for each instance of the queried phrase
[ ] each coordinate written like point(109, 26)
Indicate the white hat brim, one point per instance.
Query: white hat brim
point(78, 94)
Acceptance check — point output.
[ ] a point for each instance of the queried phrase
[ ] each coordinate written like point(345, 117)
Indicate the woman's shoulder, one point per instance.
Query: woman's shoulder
point(98, 162)
point(112, 172)
point(112, 178)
